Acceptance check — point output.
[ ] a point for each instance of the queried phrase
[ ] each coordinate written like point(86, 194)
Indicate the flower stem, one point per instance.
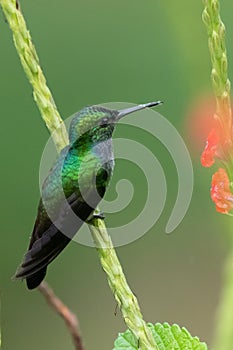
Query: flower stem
point(44, 100)
point(219, 74)
point(221, 85)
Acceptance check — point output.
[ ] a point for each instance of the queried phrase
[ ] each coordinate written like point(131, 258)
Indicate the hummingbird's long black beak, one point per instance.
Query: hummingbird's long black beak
point(126, 111)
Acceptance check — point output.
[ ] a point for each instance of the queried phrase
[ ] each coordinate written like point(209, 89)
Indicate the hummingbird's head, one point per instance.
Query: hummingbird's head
point(96, 120)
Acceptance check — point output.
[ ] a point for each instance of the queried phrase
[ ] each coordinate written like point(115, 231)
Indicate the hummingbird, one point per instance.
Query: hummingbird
point(73, 188)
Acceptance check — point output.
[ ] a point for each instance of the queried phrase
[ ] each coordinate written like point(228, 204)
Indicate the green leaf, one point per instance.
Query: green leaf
point(167, 338)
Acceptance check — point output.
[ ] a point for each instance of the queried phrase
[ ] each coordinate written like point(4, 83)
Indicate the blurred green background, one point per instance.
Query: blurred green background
point(95, 52)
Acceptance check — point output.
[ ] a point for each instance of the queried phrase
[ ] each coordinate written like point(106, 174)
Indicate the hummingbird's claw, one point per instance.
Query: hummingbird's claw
point(97, 214)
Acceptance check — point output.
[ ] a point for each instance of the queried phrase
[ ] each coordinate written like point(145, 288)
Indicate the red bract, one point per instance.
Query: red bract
point(219, 146)
point(211, 148)
point(220, 191)
point(200, 121)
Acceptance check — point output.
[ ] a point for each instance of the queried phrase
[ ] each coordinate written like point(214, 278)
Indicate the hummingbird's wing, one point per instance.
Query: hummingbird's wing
point(47, 239)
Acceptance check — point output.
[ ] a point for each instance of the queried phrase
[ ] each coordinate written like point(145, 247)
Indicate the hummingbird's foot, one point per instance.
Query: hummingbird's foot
point(97, 214)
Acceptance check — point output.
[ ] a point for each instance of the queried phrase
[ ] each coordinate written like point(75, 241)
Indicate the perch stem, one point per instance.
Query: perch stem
point(30, 62)
point(125, 298)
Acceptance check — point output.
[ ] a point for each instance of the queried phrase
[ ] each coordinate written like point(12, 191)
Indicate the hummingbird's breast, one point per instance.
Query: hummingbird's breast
point(101, 146)
point(81, 169)
point(103, 152)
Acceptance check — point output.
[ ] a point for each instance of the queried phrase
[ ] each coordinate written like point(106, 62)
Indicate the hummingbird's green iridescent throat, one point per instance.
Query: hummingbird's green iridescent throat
point(73, 188)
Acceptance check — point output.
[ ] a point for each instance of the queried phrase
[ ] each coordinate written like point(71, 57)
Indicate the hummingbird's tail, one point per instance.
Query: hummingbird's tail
point(42, 252)
point(46, 244)
point(35, 280)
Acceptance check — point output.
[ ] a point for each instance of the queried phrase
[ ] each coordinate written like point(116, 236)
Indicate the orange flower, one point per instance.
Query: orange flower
point(220, 191)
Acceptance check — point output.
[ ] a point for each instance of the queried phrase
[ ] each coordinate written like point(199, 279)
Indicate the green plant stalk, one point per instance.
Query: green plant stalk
point(44, 100)
point(223, 338)
point(33, 71)
point(126, 300)
point(219, 74)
